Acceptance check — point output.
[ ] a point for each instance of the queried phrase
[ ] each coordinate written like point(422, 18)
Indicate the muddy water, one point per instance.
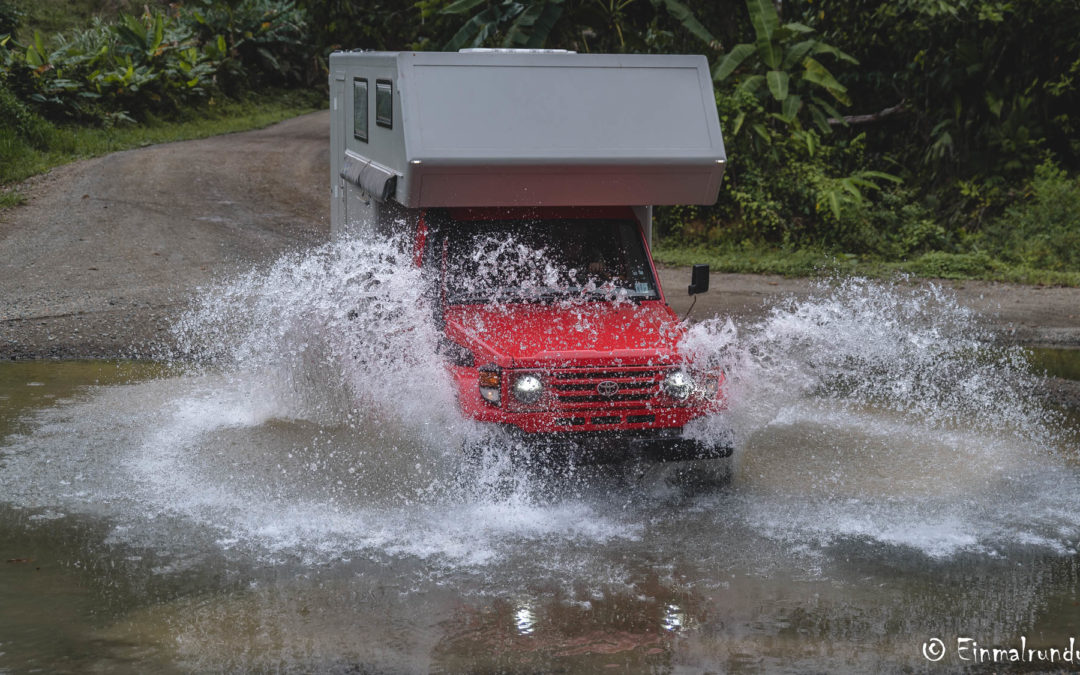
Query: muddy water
point(289, 496)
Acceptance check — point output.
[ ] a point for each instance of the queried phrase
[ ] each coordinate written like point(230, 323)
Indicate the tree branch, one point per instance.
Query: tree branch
point(897, 109)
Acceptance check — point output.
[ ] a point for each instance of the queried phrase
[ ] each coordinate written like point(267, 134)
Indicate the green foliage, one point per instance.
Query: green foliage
point(18, 122)
point(942, 265)
point(10, 198)
point(582, 25)
point(1043, 230)
point(755, 259)
point(63, 16)
point(793, 81)
point(253, 42)
point(155, 64)
point(109, 73)
point(11, 16)
point(514, 24)
point(988, 85)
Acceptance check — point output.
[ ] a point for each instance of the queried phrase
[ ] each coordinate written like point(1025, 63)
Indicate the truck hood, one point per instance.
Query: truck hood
point(530, 335)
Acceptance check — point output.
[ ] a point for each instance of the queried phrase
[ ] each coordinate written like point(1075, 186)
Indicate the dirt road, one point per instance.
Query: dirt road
point(108, 250)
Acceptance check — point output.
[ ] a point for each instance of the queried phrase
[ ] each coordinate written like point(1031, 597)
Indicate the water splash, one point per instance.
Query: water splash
point(314, 418)
point(891, 414)
point(331, 334)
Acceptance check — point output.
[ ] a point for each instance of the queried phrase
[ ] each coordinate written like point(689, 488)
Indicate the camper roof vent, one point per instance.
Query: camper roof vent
point(507, 50)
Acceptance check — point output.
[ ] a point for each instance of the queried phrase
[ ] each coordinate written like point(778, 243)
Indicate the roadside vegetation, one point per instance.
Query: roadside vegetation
point(930, 137)
point(114, 81)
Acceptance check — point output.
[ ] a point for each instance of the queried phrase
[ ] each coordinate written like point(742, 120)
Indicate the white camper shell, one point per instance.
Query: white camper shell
point(507, 128)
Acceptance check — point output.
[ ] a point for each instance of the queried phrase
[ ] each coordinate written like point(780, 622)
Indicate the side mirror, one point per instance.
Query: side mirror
point(699, 279)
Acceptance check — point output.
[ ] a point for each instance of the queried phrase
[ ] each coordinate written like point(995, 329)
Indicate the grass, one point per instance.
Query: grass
point(9, 198)
point(812, 263)
point(62, 144)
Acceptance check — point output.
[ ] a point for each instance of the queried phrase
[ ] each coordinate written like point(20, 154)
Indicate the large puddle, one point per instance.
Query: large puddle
point(289, 496)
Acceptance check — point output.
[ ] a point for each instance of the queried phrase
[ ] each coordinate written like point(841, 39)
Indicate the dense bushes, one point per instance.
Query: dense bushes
point(1042, 231)
point(157, 63)
point(958, 102)
point(120, 82)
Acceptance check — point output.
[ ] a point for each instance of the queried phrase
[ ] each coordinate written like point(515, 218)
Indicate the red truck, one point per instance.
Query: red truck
point(524, 183)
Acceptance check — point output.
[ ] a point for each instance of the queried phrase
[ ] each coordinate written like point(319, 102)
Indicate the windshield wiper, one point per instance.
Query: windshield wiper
point(617, 293)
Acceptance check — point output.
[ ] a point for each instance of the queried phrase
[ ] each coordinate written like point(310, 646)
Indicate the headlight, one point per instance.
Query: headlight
point(678, 385)
point(528, 389)
point(490, 382)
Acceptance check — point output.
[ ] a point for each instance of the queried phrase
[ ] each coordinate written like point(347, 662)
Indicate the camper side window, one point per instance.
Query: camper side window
point(360, 109)
point(384, 103)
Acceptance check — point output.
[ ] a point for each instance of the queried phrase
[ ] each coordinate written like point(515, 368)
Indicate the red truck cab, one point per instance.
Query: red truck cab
point(557, 330)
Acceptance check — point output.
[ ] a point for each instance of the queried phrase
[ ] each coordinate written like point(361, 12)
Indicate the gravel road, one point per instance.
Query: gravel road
point(108, 250)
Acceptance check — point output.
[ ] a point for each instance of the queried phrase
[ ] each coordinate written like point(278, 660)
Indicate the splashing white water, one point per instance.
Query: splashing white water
point(318, 421)
point(339, 332)
point(916, 353)
point(890, 414)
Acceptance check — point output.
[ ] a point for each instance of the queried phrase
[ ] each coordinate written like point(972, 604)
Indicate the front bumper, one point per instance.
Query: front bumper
point(657, 445)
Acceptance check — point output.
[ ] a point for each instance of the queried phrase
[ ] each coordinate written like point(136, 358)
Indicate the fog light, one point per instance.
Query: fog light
point(678, 385)
point(528, 389)
point(490, 382)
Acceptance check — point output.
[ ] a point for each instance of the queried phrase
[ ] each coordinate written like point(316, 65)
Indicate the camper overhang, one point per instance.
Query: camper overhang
point(544, 129)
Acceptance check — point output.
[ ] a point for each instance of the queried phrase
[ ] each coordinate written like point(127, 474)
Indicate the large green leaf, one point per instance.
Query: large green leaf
point(833, 199)
point(791, 106)
point(533, 25)
point(778, 84)
point(753, 83)
point(33, 57)
point(826, 106)
point(545, 23)
point(820, 75)
point(739, 119)
point(473, 31)
point(687, 19)
point(824, 48)
point(159, 33)
point(765, 20)
point(794, 54)
point(821, 120)
point(732, 60)
point(882, 175)
point(796, 27)
point(461, 6)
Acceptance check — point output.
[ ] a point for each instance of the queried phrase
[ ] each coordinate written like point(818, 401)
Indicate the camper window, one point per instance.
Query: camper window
point(384, 103)
point(360, 109)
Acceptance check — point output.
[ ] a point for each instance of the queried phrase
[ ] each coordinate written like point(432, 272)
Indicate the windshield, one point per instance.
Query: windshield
point(544, 260)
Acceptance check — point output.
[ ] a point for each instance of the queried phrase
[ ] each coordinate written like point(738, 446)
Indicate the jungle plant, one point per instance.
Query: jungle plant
point(615, 25)
point(1043, 230)
point(254, 41)
point(793, 80)
point(111, 72)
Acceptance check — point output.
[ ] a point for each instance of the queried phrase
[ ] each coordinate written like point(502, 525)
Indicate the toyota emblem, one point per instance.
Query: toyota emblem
point(607, 388)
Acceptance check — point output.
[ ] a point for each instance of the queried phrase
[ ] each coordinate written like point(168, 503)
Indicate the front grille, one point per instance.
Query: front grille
point(585, 388)
point(608, 419)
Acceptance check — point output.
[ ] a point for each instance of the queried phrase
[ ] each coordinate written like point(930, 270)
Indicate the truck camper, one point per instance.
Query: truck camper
point(524, 183)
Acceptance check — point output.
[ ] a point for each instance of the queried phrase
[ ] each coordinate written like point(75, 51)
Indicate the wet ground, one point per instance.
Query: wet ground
point(284, 498)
